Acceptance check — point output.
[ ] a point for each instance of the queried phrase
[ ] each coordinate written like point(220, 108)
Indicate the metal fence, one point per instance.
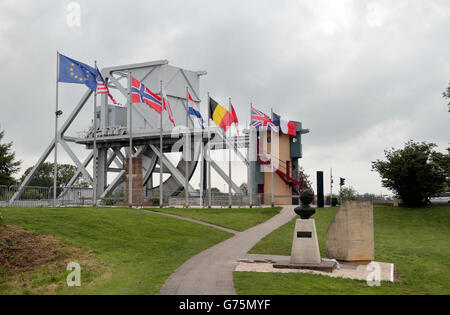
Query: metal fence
point(79, 196)
point(43, 196)
point(144, 198)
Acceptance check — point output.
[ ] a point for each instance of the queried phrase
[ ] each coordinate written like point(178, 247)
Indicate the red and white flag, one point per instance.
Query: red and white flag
point(166, 106)
point(235, 119)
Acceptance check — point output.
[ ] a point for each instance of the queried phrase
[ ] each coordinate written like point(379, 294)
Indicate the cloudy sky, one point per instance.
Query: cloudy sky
point(363, 76)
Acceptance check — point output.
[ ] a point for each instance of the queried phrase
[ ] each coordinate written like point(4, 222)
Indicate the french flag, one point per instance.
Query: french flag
point(286, 126)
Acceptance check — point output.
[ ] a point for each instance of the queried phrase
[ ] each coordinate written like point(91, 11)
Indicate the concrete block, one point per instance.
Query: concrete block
point(350, 236)
point(305, 246)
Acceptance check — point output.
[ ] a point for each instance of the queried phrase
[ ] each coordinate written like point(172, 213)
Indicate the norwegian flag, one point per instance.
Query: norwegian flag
point(102, 88)
point(261, 120)
point(141, 94)
point(166, 106)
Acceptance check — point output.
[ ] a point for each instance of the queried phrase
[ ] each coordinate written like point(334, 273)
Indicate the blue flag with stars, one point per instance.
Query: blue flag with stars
point(72, 71)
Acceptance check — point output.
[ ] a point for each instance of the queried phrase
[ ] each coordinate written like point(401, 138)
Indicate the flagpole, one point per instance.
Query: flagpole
point(202, 169)
point(250, 184)
point(161, 200)
point(229, 159)
point(94, 171)
point(55, 166)
point(209, 157)
point(186, 184)
point(271, 161)
point(130, 166)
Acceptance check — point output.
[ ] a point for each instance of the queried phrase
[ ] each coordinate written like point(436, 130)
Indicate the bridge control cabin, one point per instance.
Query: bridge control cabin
point(286, 154)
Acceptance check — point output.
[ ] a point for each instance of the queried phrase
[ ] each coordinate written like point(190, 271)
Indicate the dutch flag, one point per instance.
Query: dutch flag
point(193, 110)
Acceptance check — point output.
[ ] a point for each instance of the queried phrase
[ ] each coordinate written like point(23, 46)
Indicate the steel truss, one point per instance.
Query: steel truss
point(113, 149)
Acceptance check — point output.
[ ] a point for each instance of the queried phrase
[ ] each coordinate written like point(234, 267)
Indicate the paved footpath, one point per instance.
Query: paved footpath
point(211, 271)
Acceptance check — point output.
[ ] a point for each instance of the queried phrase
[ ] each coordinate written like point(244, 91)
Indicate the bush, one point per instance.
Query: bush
point(32, 194)
point(115, 197)
point(349, 193)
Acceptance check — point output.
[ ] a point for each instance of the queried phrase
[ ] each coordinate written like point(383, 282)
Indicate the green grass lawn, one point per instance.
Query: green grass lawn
point(415, 240)
point(140, 250)
point(238, 219)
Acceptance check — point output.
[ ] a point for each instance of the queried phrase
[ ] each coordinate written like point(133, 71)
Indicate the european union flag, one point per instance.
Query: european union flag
point(72, 71)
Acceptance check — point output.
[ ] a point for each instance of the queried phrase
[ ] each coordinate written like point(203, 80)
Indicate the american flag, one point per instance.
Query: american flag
point(141, 94)
point(261, 120)
point(102, 88)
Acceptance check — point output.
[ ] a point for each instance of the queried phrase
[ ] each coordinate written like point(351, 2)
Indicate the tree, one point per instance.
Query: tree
point(244, 188)
point(415, 173)
point(301, 176)
point(44, 176)
point(8, 164)
point(349, 193)
point(447, 95)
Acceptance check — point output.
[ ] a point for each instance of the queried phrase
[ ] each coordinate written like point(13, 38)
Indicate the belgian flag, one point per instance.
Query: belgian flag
point(221, 116)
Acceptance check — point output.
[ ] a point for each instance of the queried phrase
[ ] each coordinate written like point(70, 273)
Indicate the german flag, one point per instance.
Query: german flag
point(220, 115)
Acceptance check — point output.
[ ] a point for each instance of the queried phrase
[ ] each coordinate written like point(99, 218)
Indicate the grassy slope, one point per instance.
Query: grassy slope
point(238, 219)
point(142, 249)
point(416, 240)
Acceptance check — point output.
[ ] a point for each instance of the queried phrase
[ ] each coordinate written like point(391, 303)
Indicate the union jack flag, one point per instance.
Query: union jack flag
point(102, 87)
point(141, 94)
point(261, 120)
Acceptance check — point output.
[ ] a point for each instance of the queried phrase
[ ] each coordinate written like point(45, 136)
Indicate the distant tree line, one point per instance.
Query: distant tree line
point(9, 166)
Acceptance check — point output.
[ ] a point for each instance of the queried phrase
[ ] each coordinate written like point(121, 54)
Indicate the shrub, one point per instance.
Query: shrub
point(349, 193)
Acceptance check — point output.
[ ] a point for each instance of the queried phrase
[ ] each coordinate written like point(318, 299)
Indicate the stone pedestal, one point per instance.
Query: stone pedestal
point(305, 252)
point(350, 234)
point(305, 246)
